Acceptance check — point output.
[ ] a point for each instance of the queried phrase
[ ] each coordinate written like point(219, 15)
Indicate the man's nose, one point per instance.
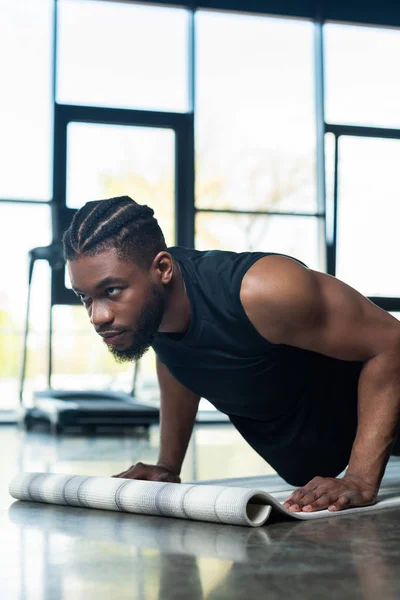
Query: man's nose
point(100, 315)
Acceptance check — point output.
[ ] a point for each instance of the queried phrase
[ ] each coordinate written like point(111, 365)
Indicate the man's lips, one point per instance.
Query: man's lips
point(110, 338)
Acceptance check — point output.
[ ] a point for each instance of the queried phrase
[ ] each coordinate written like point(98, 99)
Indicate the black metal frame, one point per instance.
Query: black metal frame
point(383, 13)
point(180, 123)
point(385, 302)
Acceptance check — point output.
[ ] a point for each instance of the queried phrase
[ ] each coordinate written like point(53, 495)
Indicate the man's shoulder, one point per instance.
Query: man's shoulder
point(273, 275)
point(202, 257)
point(185, 251)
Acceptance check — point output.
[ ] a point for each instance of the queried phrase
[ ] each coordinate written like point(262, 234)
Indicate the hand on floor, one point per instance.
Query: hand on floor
point(332, 494)
point(149, 473)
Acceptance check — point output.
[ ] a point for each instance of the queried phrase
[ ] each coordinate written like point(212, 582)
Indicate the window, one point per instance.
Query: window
point(361, 75)
point(123, 55)
point(117, 160)
point(295, 236)
point(17, 237)
point(369, 213)
point(26, 115)
point(255, 131)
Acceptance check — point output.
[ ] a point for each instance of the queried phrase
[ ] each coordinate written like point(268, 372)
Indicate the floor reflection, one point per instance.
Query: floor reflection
point(119, 555)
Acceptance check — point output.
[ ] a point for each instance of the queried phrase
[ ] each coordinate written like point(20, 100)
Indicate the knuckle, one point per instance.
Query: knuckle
point(312, 495)
point(367, 495)
point(316, 479)
point(343, 500)
point(324, 499)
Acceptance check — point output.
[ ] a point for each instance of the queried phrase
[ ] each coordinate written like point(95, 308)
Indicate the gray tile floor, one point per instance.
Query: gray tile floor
point(52, 552)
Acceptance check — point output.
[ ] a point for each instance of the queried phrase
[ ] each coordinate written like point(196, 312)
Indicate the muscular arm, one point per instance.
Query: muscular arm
point(178, 408)
point(289, 304)
point(177, 415)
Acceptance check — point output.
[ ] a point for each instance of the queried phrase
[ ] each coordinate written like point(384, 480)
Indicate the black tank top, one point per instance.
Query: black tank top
point(294, 407)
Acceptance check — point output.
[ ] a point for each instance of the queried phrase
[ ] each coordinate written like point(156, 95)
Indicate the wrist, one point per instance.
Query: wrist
point(168, 467)
point(370, 482)
point(370, 474)
point(368, 461)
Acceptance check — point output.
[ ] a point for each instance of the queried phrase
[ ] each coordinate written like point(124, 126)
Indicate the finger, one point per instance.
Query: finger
point(142, 475)
point(121, 474)
point(321, 503)
point(299, 494)
point(309, 498)
point(293, 499)
point(341, 502)
point(288, 500)
point(134, 474)
point(318, 500)
point(124, 472)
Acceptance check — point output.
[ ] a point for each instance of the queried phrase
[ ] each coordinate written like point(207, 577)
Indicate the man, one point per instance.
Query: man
point(307, 369)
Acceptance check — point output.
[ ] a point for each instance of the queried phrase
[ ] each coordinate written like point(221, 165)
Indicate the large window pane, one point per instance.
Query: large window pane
point(113, 160)
point(17, 237)
point(255, 130)
point(105, 161)
point(122, 55)
point(25, 99)
point(362, 87)
point(295, 236)
point(369, 214)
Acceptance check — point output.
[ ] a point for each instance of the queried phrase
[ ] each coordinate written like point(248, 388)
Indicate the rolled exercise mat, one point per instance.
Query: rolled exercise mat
point(218, 504)
point(221, 501)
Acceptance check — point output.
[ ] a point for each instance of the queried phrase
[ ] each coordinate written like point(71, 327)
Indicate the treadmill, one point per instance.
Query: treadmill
point(87, 409)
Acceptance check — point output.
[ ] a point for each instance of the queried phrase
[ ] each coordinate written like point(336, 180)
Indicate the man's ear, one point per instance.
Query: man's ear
point(163, 267)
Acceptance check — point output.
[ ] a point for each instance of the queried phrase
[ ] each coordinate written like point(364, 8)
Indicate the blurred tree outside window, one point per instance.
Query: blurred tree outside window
point(255, 133)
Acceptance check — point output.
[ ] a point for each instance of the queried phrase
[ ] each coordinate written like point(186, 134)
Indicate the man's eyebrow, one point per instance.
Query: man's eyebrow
point(107, 281)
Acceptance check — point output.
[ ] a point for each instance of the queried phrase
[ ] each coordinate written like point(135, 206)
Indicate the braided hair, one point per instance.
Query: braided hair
point(119, 223)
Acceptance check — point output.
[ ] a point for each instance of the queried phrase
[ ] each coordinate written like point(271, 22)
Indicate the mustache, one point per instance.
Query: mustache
point(109, 331)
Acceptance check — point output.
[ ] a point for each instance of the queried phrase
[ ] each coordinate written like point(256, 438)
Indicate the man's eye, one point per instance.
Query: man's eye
point(83, 297)
point(113, 291)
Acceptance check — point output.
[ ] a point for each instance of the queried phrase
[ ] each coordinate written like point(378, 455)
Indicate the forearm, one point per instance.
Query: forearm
point(177, 419)
point(178, 409)
point(378, 416)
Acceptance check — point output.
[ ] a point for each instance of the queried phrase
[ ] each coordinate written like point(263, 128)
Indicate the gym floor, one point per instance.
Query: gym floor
point(53, 552)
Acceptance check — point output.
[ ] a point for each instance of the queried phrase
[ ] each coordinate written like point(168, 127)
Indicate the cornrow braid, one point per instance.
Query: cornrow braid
point(119, 223)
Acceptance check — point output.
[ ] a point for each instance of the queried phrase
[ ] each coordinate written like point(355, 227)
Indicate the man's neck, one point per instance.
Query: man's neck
point(177, 313)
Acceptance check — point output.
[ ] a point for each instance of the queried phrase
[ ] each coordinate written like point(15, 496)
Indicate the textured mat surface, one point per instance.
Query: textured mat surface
point(219, 504)
point(243, 501)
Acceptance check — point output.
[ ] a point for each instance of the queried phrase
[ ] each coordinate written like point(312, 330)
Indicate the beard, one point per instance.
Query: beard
point(147, 327)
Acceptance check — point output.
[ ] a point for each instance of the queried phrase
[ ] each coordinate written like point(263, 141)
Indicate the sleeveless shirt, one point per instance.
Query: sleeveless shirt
point(295, 407)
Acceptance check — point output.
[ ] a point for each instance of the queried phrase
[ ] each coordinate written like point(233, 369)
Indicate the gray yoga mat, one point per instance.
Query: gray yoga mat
point(243, 501)
point(218, 504)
